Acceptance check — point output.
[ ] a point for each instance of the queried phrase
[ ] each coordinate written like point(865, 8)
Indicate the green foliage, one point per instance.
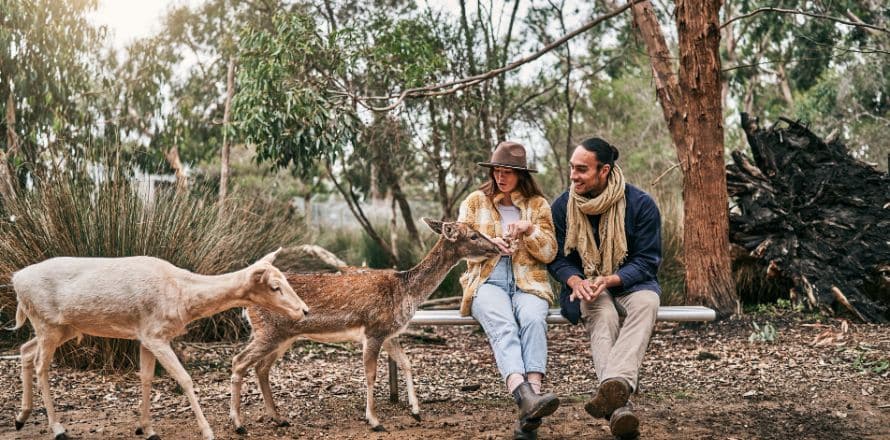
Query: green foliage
point(47, 59)
point(94, 208)
point(283, 105)
point(406, 52)
point(766, 333)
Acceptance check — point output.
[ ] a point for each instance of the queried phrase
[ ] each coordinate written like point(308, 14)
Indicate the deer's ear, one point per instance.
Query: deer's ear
point(450, 231)
point(270, 257)
point(435, 225)
point(258, 276)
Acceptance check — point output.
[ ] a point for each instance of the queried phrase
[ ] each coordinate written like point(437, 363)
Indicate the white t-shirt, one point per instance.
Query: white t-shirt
point(509, 214)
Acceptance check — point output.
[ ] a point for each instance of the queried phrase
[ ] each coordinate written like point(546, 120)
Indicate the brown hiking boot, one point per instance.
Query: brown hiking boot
point(624, 424)
point(611, 395)
point(533, 406)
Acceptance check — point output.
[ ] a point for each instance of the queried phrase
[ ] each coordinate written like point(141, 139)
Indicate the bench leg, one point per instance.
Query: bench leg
point(393, 380)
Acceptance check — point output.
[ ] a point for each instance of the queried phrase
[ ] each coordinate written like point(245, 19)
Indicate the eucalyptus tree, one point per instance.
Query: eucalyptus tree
point(47, 62)
point(293, 104)
point(824, 62)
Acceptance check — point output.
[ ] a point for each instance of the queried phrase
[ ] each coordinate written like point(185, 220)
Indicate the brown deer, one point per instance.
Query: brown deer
point(367, 306)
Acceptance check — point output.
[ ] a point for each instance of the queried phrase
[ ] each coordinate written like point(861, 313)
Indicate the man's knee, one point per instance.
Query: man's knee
point(600, 310)
point(644, 301)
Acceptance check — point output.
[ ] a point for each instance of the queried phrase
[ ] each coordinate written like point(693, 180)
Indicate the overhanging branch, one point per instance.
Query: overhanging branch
point(459, 84)
point(808, 14)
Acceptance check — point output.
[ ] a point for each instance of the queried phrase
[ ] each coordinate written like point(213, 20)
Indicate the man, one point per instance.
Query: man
point(609, 248)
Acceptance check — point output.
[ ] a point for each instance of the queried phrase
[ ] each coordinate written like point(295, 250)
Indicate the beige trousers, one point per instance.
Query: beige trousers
point(618, 350)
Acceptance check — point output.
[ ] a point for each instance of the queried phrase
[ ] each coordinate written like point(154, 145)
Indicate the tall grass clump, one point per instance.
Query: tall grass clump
point(671, 274)
point(95, 209)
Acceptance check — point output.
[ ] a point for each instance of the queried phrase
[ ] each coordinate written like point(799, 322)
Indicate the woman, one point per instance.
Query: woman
point(510, 295)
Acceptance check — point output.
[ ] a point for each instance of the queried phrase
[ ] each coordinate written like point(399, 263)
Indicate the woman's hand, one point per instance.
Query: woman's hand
point(518, 229)
point(503, 245)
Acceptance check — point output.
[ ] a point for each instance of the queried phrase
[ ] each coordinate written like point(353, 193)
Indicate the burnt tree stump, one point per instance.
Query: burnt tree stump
point(815, 216)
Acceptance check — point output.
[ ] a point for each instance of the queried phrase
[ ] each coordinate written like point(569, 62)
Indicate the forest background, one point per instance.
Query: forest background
point(208, 142)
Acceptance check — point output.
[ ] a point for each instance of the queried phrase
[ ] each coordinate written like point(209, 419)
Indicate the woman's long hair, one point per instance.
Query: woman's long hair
point(526, 185)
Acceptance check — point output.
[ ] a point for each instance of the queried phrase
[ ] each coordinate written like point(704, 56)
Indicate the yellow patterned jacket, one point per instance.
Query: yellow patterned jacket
point(530, 259)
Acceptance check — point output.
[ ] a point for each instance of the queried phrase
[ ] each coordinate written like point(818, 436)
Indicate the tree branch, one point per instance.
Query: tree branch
point(456, 85)
point(808, 14)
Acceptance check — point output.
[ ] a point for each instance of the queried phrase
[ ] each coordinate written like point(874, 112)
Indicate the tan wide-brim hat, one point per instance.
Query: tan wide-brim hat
point(508, 155)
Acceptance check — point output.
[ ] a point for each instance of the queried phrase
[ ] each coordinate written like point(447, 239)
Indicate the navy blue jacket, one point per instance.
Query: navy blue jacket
point(642, 226)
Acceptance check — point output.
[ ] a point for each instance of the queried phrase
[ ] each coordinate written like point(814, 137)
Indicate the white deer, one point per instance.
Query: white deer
point(142, 298)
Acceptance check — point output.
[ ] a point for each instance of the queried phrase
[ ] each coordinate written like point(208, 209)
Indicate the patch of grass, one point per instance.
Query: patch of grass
point(671, 274)
point(766, 333)
point(867, 362)
point(682, 395)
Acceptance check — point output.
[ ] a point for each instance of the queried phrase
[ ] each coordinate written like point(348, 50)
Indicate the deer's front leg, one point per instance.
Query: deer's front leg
point(262, 375)
point(164, 354)
point(394, 348)
point(255, 351)
point(370, 353)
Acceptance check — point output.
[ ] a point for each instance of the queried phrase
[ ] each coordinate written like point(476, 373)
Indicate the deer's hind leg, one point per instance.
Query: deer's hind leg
point(48, 340)
point(370, 353)
point(394, 348)
point(29, 353)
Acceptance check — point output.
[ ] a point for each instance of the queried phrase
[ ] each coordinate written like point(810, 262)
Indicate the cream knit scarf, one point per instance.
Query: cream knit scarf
point(579, 235)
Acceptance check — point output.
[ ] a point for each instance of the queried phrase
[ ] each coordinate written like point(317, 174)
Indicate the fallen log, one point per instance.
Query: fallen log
point(813, 215)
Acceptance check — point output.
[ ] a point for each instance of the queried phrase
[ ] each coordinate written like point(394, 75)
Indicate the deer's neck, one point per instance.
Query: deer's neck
point(206, 295)
point(426, 276)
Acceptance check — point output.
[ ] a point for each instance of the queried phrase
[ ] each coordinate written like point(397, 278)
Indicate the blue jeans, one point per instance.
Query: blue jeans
point(515, 322)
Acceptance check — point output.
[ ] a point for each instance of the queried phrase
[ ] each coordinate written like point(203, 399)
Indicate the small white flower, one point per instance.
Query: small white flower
point(12, 218)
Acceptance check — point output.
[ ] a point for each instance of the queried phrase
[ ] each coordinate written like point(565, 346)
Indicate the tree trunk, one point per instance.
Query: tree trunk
point(706, 204)
point(694, 119)
point(785, 85)
point(394, 226)
point(399, 197)
point(357, 212)
point(8, 182)
point(224, 166)
point(307, 211)
point(172, 156)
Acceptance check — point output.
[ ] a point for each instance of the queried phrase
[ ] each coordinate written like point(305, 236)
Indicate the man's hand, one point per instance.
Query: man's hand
point(590, 290)
point(518, 229)
point(581, 289)
point(502, 245)
point(599, 284)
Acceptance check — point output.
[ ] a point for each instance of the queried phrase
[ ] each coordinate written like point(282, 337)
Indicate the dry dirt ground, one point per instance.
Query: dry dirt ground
point(819, 379)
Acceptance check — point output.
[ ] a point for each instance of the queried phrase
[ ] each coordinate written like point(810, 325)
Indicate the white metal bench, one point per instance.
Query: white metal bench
point(452, 317)
point(665, 313)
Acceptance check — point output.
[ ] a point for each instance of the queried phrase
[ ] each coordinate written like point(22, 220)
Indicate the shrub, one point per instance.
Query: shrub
point(95, 209)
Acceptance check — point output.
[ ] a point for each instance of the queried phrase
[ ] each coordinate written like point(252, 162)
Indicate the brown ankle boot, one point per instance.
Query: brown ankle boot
point(611, 395)
point(624, 424)
point(533, 406)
